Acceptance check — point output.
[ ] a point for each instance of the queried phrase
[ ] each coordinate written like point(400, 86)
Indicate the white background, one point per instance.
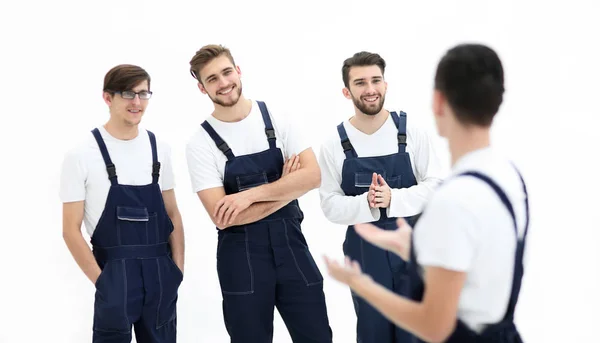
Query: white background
point(54, 55)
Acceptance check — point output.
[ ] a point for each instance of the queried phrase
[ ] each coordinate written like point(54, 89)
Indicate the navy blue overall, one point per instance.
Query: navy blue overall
point(384, 267)
point(504, 331)
point(139, 280)
point(267, 263)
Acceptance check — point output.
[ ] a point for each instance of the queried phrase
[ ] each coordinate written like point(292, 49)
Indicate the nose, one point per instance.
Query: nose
point(370, 88)
point(136, 99)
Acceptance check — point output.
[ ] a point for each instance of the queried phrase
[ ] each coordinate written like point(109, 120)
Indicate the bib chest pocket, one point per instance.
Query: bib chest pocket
point(133, 224)
point(245, 182)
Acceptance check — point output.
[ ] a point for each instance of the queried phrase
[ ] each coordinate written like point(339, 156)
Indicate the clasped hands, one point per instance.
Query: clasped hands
point(380, 194)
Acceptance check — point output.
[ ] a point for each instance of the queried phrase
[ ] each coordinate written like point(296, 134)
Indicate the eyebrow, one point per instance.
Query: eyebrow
point(224, 70)
point(362, 79)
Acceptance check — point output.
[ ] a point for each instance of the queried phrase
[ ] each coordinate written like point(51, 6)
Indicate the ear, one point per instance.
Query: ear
point(346, 93)
point(438, 103)
point(107, 98)
point(201, 88)
point(239, 71)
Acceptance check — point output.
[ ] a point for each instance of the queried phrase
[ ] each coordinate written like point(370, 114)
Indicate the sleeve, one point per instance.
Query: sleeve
point(446, 234)
point(338, 207)
point(202, 166)
point(294, 139)
point(429, 174)
point(72, 178)
point(167, 177)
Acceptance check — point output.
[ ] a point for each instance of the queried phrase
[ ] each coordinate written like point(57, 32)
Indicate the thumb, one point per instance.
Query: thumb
point(381, 180)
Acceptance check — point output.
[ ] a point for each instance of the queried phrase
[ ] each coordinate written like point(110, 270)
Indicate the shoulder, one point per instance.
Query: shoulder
point(84, 146)
point(200, 144)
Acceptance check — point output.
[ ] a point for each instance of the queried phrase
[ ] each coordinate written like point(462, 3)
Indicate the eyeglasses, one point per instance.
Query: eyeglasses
point(144, 95)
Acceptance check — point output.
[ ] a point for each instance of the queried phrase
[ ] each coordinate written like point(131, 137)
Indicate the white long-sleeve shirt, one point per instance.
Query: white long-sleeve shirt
point(350, 210)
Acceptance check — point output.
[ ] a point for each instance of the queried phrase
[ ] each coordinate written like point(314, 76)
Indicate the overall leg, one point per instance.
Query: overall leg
point(247, 278)
point(300, 296)
point(371, 325)
point(111, 321)
point(161, 280)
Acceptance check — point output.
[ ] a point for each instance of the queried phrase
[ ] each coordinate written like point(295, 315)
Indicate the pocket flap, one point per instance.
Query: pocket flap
point(364, 179)
point(136, 214)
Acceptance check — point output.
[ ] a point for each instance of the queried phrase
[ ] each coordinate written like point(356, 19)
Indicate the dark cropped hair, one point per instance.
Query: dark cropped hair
point(471, 78)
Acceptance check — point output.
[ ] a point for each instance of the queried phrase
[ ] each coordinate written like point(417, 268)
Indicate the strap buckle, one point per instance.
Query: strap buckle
point(112, 171)
point(346, 145)
point(156, 169)
point(270, 133)
point(224, 148)
point(402, 139)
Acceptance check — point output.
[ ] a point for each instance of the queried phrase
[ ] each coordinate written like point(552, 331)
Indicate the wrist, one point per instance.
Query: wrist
point(359, 283)
point(253, 194)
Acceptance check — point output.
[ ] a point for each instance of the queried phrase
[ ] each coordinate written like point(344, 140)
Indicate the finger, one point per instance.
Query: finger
point(218, 206)
point(221, 213)
point(227, 215)
point(299, 165)
point(356, 267)
point(295, 163)
point(286, 167)
point(381, 180)
point(374, 180)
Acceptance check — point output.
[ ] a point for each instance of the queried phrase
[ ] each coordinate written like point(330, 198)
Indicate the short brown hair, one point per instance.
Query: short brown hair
point(360, 59)
point(206, 54)
point(125, 77)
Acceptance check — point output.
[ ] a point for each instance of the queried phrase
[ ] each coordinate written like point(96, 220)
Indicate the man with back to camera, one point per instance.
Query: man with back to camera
point(120, 182)
point(237, 167)
point(466, 253)
point(375, 168)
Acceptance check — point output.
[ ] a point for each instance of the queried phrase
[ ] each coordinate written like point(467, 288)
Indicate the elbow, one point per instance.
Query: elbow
point(439, 333)
point(315, 179)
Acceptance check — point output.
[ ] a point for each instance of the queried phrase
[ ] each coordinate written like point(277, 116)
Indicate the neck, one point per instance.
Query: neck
point(234, 113)
point(467, 139)
point(369, 124)
point(122, 132)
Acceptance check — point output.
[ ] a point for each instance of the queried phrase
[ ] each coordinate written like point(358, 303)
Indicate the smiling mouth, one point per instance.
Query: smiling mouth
point(371, 99)
point(226, 91)
point(134, 111)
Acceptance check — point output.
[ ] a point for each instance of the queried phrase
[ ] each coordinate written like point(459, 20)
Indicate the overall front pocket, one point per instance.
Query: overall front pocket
point(234, 266)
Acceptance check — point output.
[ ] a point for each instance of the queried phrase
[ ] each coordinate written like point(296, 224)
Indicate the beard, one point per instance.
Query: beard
point(369, 109)
point(230, 102)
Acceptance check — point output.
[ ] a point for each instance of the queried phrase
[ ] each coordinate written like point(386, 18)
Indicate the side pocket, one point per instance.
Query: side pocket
point(170, 278)
point(110, 313)
point(250, 181)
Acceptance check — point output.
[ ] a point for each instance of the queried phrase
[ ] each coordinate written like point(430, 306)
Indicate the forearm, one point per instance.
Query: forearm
point(406, 202)
point(177, 241)
point(288, 188)
point(409, 315)
point(347, 210)
point(82, 254)
point(256, 212)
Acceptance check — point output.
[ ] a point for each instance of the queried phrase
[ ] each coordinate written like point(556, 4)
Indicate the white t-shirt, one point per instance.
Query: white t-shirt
point(206, 163)
point(350, 210)
point(84, 175)
point(467, 228)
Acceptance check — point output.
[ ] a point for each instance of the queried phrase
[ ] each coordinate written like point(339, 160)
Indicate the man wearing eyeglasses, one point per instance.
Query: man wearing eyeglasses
point(120, 183)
